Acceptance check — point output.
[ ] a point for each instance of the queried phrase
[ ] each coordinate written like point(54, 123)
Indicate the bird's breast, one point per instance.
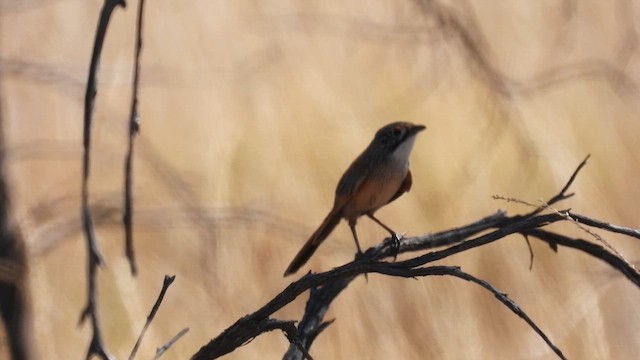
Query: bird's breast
point(377, 189)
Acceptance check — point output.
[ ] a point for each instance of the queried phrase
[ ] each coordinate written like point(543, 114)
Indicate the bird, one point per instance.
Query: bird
point(378, 176)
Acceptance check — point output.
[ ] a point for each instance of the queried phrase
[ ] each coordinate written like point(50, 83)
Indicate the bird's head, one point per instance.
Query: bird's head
point(397, 138)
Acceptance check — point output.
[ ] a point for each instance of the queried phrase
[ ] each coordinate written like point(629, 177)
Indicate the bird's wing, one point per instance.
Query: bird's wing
point(404, 187)
point(352, 179)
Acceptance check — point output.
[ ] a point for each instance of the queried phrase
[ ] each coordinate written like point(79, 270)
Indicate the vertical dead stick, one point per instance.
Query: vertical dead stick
point(93, 254)
point(134, 127)
point(168, 280)
point(15, 303)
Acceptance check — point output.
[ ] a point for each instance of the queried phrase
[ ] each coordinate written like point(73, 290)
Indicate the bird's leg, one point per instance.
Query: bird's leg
point(352, 225)
point(393, 233)
point(394, 237)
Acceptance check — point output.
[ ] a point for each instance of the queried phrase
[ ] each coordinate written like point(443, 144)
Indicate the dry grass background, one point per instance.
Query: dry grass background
point(250, 113)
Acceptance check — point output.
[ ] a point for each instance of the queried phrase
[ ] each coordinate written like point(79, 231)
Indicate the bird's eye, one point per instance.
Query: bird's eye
point(396, 132)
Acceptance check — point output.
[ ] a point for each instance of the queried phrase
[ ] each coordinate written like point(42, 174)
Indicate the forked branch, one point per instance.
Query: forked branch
point(326, 286)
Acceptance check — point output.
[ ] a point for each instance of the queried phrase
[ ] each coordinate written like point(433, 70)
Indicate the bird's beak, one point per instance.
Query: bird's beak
point(416, 129)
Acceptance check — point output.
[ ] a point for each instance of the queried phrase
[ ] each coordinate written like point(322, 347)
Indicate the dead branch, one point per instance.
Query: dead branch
point(324, 287)
point(168, 280)
point(605, 225)
point(161, 350)
point(94, 258)
point(562, 195)
point(134, 128)
point(15, 307)
point(457, 272)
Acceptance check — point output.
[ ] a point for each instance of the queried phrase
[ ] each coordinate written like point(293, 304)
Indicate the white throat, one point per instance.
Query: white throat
point(402, 152)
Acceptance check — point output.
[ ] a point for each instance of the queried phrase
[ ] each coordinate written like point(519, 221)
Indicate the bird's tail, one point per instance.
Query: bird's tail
point(329, 223)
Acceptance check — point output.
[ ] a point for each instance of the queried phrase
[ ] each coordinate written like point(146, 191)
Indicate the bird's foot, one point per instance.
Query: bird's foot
point(359, 256)
point(395, 246)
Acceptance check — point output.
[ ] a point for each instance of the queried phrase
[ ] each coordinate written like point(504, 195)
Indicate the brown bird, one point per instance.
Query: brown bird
point(375, 178)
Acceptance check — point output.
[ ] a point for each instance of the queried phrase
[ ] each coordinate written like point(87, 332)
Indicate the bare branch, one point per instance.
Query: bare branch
point(251, 327)
point(168, 280)
point(325, 287)
point(526, 238)
point(590, 248)
point(596, 236)
point(161, 350)
point(15, 306)
point(439, 239)
point(94, 258)
point(562, 195)
point(134, 128)
point(290, 331)
point(455, 271)
point(605, 225)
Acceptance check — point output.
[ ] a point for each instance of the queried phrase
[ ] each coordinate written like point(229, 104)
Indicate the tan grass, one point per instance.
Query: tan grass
point(250, 113)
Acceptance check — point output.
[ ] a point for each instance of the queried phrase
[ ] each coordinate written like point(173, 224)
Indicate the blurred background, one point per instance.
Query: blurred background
point(251, 111)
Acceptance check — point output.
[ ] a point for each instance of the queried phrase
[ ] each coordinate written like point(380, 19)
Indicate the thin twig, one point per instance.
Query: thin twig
point(596, 236)
point(590, 248)
point(168, 280)
point(562, 195)
point(513, 200)
point(134, 128)
point(605, 225)
point(457, 272)
point(547, 205)
point(526, 239)
point(161, 350)
point(94, 258)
